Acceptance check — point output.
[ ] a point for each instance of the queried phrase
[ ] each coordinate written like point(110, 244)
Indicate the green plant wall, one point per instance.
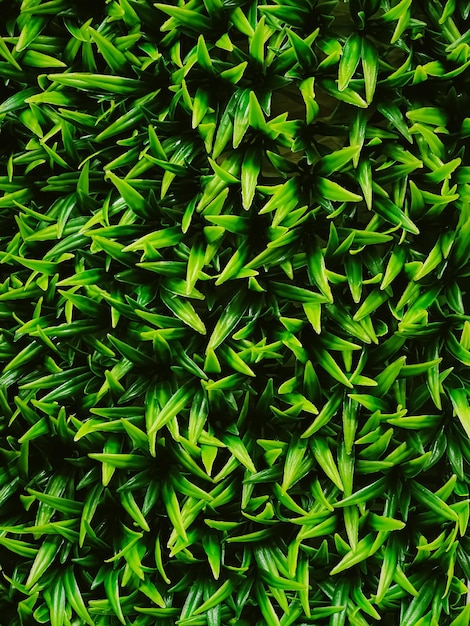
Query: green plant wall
point(234, 312)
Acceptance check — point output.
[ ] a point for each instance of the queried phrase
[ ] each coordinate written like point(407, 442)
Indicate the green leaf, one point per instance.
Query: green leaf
point(257, 42)
point(173, 509)
point(373, 490)
point(18, 100)
point(420, 603)
point(322, 529)
point(241, 119)
point(255, 113)
point(223, 174)
point(428, 115)
point(200, 106)
point(373, 301)
point(328, 411)
point(350, 422)
point(324, 457)
point(177, 402)
point(121, 461)
point(266, 606)
point(393, 114)
point(297, 294)
point(230, 318)
point(326, 361)
point(387, 571)
point(331, 190)
point(239, 451)
point(308, 94)
point(346, 95)
point(360, 553)
point(115, 59)
point(163, 238)
point(461, 407)
point(432, 502)
point(39, 59)
point(7, 55)
point(390, 212)
point(65, 505)
point(292, 466)
point(131, 197)
point(336, 160)
point(370, 68)
point(397, 11)
point(56, 603)
point(184, 310)
point(349, 61)
point(222, 593)
point(354, 275)
point(31, 28)
point(45, 556)
point(129, 504)
point(251, 167)
point(394, 265)
point(21, 548)
point(103, 83)
point(193, 20)
point(111, 586)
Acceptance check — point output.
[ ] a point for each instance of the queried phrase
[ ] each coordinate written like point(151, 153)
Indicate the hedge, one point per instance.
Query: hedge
point(234, 297)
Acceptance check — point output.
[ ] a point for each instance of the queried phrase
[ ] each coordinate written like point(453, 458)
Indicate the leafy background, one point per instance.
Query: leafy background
point(234, 338)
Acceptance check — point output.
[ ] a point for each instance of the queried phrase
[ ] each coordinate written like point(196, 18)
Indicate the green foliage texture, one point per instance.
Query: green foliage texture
point(234, 312)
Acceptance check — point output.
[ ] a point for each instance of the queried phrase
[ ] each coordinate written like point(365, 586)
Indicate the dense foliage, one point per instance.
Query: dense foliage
point(234, 330)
